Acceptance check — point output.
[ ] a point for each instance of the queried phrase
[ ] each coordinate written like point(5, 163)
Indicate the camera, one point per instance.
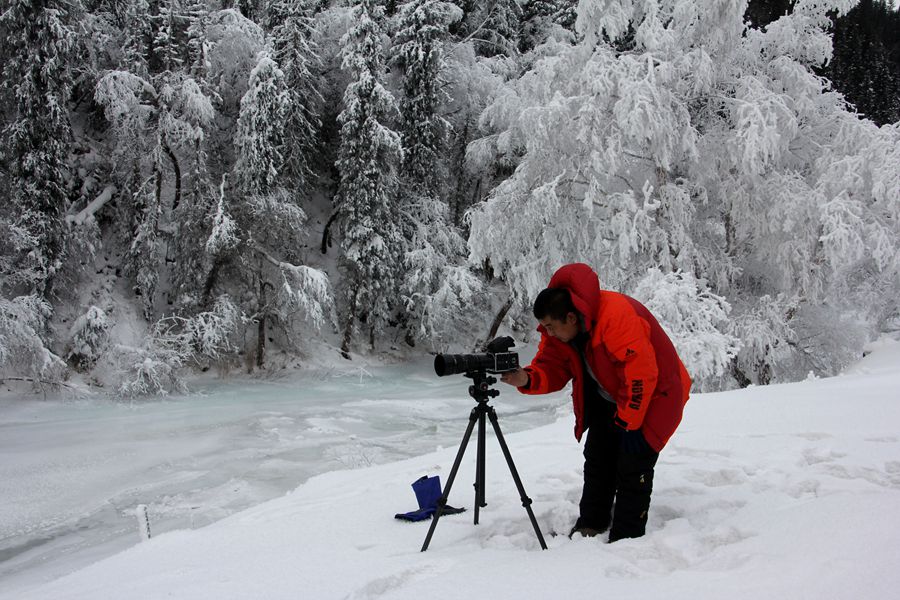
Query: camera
point(496, 359)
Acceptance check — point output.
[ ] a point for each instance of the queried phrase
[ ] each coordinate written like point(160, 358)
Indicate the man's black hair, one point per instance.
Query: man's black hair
point(555, 303)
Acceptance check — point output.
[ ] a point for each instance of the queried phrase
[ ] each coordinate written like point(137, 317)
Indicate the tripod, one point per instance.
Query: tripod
point(481, 391)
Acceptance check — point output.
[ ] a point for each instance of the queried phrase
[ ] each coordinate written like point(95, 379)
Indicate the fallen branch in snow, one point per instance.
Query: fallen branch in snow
point(33, 380)
point(91, 209)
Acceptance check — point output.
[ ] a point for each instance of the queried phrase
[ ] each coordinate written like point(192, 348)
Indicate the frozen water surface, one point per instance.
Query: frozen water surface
point(72, 472)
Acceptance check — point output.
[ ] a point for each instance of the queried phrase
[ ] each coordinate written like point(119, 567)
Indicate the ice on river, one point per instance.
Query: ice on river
point(72, 471)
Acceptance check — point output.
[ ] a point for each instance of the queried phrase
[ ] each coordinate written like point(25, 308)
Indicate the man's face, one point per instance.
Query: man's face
point(564, 331)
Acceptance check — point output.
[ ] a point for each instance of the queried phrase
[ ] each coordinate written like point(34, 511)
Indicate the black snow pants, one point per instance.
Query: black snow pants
point(614, 476)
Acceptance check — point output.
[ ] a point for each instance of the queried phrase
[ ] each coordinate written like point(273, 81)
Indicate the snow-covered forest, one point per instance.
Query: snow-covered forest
point(241, 185)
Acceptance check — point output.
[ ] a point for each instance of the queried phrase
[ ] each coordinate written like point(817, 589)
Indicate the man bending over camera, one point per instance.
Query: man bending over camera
point(628, 391)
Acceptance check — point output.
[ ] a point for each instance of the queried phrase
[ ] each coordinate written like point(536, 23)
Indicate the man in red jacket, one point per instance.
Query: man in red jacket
point(629, 389)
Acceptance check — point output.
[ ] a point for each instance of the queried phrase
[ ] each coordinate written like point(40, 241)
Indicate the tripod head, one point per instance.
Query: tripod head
point(481, 388)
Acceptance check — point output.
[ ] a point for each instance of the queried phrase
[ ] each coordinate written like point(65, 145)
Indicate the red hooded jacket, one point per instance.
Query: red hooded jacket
point(629, 353)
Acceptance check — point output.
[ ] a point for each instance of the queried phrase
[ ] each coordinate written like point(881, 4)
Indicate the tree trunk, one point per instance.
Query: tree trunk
point(261, 327)
point(326, 235)
point(498, 320)
point(211, 277)
point(177, 168)
point(739, 374)
point(348, 328)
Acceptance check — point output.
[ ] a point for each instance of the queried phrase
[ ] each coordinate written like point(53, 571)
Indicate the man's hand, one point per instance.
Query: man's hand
point(515, 378)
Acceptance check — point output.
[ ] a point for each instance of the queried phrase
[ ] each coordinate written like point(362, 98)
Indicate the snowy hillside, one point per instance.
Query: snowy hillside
point(785, 491)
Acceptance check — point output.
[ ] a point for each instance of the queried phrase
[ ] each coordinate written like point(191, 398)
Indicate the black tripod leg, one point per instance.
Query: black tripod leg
point(526, 501)
point(479, 464)
point(443, 500)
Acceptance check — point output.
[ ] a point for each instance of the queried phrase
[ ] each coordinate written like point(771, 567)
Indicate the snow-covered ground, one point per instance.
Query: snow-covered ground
point(787, 491)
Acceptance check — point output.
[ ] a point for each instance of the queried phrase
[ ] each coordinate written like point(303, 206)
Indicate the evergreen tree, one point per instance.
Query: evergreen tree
point(496, 26)
point(38, 46)
point(419, 54)
point(260, 137)
point(865, 63)
point(369, 159)
point(433, 246)
point(295, 52)
point(197, 14)
point(23, 315)
point(269, 226)
point(462, 26)
point(169, 30)
point(539, 15)
point(863, 66)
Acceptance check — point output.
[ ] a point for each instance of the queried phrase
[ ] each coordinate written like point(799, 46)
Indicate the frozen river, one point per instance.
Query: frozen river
point(73, 471)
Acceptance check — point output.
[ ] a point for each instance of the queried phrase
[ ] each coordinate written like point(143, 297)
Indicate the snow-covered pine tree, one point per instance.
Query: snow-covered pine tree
point(435, 250)
point(191, 217)
point(293, 46)
point(260, 136)
point(418, 53)
point(38, 47)
point(169, 30)
point(538, 16)
point(495, 26)
point(270, 224)
point(197, 12)
point(369, 159)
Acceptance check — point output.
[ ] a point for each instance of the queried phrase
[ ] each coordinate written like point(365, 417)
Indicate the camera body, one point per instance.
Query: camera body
point(496, 359)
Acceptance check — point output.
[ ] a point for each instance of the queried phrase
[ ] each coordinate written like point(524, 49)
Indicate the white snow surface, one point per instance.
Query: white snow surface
point(779, 491)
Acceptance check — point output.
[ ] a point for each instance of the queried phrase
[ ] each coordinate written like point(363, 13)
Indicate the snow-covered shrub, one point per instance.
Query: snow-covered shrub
point(694, 318)
point(202, 338)
point(22, 351)
point(89, 338)
point(149, 370)
point(827, 340)
point(444, 308)
point(306, 290)
point(173, 343)
point(766, 335)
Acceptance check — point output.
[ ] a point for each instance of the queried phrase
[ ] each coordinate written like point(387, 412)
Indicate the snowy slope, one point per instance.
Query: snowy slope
point(784, 491)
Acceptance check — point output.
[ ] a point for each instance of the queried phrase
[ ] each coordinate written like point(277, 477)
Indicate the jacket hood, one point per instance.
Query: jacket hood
point(584, 287)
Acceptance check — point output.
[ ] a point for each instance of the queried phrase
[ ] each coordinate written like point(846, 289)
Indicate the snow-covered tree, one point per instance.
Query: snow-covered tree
point(266, 226)
point(369, 159)
point(707, 148)
point(539, 16)
point(89, 338)
point(419, 54)
point(169, 30)
point(23, 315)
point(38, 47)
point(260, 135)
point(434, 248)
point(694, 318)
point(152, 121)
point(495, 27)
point(294, 49)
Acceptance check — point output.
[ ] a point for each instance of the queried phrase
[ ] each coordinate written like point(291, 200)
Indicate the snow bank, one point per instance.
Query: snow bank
point(779, 491)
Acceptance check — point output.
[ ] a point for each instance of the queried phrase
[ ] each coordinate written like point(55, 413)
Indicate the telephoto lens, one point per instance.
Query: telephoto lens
point(452, 364)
